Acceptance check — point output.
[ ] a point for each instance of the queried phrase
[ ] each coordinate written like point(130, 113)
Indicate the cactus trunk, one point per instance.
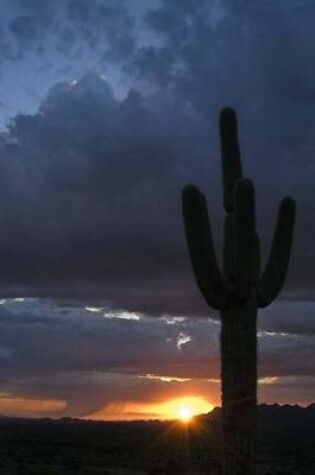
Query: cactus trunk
point(239, 387)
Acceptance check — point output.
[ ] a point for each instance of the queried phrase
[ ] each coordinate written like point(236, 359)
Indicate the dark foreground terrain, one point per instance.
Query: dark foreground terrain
point(71, 446)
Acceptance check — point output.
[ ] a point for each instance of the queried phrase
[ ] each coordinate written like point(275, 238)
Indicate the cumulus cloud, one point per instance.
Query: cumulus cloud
point(90, 200)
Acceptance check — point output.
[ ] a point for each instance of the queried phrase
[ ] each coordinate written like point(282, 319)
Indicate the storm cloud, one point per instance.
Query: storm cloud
point(90, 200)
point(92, 182)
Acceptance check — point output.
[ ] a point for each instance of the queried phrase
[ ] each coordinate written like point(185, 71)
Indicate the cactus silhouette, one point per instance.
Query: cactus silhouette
point(237, 291)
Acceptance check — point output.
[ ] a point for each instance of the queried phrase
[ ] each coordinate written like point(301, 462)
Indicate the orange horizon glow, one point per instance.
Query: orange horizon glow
point(30, 407)
point(180, 408)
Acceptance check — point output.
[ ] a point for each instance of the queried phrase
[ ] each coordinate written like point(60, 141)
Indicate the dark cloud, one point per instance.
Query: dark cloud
point(291, 317)
point(90, 200)
point(90, 197)
point(72, 28)
point(257, 58)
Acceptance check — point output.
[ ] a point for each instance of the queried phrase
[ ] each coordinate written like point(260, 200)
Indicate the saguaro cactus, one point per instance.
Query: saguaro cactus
point(237, 291)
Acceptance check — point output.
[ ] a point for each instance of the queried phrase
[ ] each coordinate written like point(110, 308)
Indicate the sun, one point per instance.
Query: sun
point(184, 409)
point(184, 414)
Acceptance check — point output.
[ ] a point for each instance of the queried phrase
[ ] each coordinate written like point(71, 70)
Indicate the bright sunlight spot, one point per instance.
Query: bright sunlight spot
point(186, 408)
point(184, 414)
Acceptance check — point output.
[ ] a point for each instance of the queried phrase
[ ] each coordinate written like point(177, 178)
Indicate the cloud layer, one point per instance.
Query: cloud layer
point(88, 359)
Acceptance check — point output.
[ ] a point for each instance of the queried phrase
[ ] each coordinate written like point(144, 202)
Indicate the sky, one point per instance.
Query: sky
point(107, 109)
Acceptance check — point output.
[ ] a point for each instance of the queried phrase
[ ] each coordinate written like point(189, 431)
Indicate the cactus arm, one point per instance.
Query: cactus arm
point(201, 248)
point(231, 161)
point(244, 204)
point(273, 276)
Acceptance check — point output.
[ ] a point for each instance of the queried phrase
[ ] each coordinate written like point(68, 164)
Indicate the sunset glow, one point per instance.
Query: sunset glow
point(186, 408)
point(21, 407)
point(182, 408)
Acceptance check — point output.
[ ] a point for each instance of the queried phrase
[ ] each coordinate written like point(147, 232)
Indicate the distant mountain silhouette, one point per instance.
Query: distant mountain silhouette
point(270, 416)
point(276, 412)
